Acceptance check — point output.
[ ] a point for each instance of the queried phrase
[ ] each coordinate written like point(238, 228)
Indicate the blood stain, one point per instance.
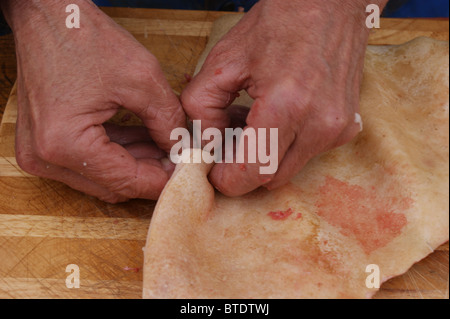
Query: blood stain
point(132, 269)
point(218, 71)
point(281, 215)
point(374, 220)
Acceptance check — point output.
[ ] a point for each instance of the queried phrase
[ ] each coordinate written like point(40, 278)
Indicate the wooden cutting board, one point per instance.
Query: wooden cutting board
point(46, 226)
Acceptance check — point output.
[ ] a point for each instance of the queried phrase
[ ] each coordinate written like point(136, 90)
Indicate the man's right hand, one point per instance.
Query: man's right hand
point(70, 82)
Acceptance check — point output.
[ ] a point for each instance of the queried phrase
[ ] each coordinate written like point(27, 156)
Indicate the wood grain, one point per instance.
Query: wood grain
point(72, 227)
point(45, 226)
point(397, 31)
point(45, 288)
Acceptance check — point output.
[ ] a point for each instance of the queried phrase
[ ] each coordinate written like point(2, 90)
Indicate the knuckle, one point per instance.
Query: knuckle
point(48, 143)
point(144, 76)
point(218, 52)
point(28, 163)
point(334, 122)
point(289, 87)
point(146, 72)
point(293, 97)
point(47, 150)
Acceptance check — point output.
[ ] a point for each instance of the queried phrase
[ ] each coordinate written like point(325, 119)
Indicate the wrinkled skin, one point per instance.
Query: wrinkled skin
point(70, 82)
point(301, 61)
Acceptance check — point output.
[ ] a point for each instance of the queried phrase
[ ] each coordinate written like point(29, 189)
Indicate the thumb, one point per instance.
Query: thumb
point(212, 90)
point(151, 98)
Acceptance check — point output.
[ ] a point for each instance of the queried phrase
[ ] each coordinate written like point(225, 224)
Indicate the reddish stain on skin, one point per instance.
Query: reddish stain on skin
point(299, 215)
point(218, 71)
point(281, 215)
point(372, 219)
point(242, 167)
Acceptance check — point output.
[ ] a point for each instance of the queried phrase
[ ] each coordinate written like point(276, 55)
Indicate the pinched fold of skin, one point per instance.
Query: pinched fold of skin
point(381, 199)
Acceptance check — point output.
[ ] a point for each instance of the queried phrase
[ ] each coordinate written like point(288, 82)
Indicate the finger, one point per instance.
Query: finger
point(28, 160)
point(313, 140)
point(126, 134)
point(135, 139)
point(235, 179)
point(295, 159)
point(77, 181)
point(213, 89)
point(112, 166)
point(142, 150)
point(151, 98)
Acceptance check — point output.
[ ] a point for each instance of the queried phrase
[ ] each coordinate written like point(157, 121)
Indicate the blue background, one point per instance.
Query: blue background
point(422, 9)
point(412, 8)
point(179, 4)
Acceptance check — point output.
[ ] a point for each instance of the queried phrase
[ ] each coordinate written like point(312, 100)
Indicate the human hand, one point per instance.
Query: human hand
point(302, 62)
point(70, 82)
